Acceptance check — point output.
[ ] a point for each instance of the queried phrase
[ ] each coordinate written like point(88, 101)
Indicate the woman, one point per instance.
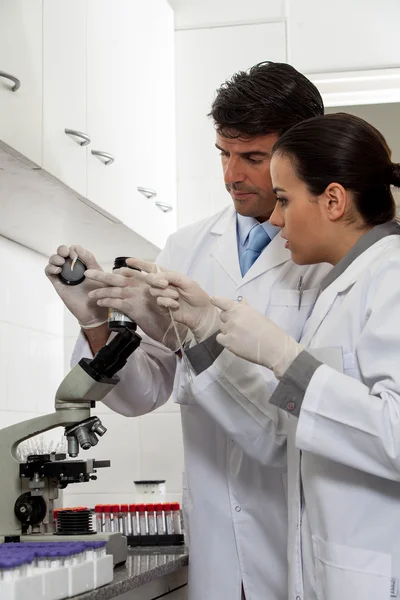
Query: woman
point(341, 385)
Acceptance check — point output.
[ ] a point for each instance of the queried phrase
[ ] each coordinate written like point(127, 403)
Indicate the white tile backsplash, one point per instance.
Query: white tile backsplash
point(162, 449)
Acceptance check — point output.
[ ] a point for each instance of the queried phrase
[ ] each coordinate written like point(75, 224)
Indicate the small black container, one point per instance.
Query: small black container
point(74, 277)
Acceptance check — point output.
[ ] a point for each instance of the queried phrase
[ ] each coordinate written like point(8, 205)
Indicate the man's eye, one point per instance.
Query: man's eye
point(254, 161)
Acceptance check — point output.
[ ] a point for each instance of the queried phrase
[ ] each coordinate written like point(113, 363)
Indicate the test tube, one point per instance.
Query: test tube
point(133, 519)
point(176, 517)
point(124, 519)
point(151, 519)
point(169, 523)
point(98, 509)
point(160, 523)
point(115, 513)
point(107, 517)
point(141, 508)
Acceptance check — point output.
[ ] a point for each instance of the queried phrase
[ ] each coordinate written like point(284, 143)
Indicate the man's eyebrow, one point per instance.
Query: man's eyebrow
point(248, 153)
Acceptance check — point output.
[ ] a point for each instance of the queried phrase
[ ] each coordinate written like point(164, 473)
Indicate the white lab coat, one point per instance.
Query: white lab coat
point(344, 541)
point(235, 508)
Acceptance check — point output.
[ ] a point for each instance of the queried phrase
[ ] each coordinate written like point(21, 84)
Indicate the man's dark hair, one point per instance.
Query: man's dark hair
point(268, 98)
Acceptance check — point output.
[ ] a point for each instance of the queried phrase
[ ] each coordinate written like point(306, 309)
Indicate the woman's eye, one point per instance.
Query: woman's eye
point(282, 201)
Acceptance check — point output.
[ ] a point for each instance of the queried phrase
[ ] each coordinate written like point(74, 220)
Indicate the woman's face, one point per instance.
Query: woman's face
point(299, 214)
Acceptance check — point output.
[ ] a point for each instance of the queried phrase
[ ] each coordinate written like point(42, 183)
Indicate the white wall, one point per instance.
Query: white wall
point(31, 336)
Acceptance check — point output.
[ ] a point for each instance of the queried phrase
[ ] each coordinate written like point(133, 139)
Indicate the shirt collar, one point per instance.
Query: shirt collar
point(366, 241)
point(246, 224)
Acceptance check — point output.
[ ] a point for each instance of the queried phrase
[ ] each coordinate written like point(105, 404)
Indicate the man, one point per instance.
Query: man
point(235, 508)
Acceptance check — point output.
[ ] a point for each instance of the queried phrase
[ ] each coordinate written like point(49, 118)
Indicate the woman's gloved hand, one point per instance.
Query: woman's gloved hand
point(76, 298)
point(252, 336)
point(127, 290)
point(189, 303)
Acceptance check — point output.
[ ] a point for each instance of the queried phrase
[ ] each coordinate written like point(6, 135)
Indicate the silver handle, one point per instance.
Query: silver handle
point(109, 159)
point(85, 138)
point(148, 192)
point(164, 206)
point(17, 83)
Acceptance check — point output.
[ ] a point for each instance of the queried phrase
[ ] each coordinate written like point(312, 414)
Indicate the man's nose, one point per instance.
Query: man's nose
point(234, 172)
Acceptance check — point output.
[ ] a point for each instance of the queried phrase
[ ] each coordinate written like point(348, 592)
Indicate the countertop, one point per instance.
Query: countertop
point(142, 566)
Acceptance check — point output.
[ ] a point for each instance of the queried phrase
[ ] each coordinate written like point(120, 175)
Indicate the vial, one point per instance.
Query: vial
point(169, 523)
point(116, 319)
point(98, 509)
point(115, 518)
point(124, 519)
point(141, 508)
point(160, 519)
point(151, 519)
point(134, 522)
point(75, 276)
point(176, 517)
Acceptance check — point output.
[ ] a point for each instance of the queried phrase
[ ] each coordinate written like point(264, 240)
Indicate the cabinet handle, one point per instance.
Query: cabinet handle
point(17, 83)
point(164, 206)
point(109, 159)
point(148, 192)
point(85, 138)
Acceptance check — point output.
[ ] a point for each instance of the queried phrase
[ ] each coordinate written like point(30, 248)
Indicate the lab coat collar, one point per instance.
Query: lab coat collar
point(366, 241)
point(225, 251)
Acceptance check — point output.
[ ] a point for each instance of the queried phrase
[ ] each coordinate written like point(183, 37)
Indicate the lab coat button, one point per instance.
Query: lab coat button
point(290, 406)
point(237, 508)
point(298, 598)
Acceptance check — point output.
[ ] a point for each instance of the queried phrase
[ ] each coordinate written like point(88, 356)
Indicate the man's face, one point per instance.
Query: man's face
point(245, 163)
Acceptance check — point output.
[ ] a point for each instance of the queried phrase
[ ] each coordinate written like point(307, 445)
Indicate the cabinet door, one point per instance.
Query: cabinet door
point(21, 57)
point(205, 58)
point(343, 36)
point(64, 91)
point(117, 93)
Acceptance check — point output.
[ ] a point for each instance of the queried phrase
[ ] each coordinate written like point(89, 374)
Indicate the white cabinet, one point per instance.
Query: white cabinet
point(64, 91)
point(131, 113)
point(21, 57)
point(344, 35)
point(205, 58)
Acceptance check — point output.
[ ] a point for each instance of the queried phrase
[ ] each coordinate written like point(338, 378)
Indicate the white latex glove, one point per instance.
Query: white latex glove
point(128, 291)
point(76, 297)
point(190, 304)
point(254, 337)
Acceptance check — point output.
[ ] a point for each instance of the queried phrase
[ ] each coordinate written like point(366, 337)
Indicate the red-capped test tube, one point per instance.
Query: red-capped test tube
point(107, 517)
point(160, 522)
point(176, 517)
point(98, 511)
point(151, 519)
point(169, 523)
point(124, 519)
point(115, 514)
point(141, 508)
point(133, 518)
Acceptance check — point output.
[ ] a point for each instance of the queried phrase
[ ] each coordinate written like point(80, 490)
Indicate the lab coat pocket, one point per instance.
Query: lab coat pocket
point(346, 573)
point(290, 309)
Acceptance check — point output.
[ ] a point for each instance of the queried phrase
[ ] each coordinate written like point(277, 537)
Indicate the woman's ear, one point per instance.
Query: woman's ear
point(335, 201)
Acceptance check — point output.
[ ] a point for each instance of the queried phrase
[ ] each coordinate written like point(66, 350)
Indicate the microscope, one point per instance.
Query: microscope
point(30, 488)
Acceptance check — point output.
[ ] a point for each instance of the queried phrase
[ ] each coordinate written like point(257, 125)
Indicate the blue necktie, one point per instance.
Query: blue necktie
point(258, 239)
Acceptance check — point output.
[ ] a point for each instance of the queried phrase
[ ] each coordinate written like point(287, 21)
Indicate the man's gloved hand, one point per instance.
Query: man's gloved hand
point(127, 290)
point(252, 336)
point(190, 305)
point(76, 298)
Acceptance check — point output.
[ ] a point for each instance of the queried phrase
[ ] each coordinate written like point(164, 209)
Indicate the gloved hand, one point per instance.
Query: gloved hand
point(128, 291)
point(190, 304)
point(254, 337)
point(76, 297)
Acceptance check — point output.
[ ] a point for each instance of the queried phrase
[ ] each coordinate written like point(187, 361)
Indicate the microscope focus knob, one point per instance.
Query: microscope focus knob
point(30, 510)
